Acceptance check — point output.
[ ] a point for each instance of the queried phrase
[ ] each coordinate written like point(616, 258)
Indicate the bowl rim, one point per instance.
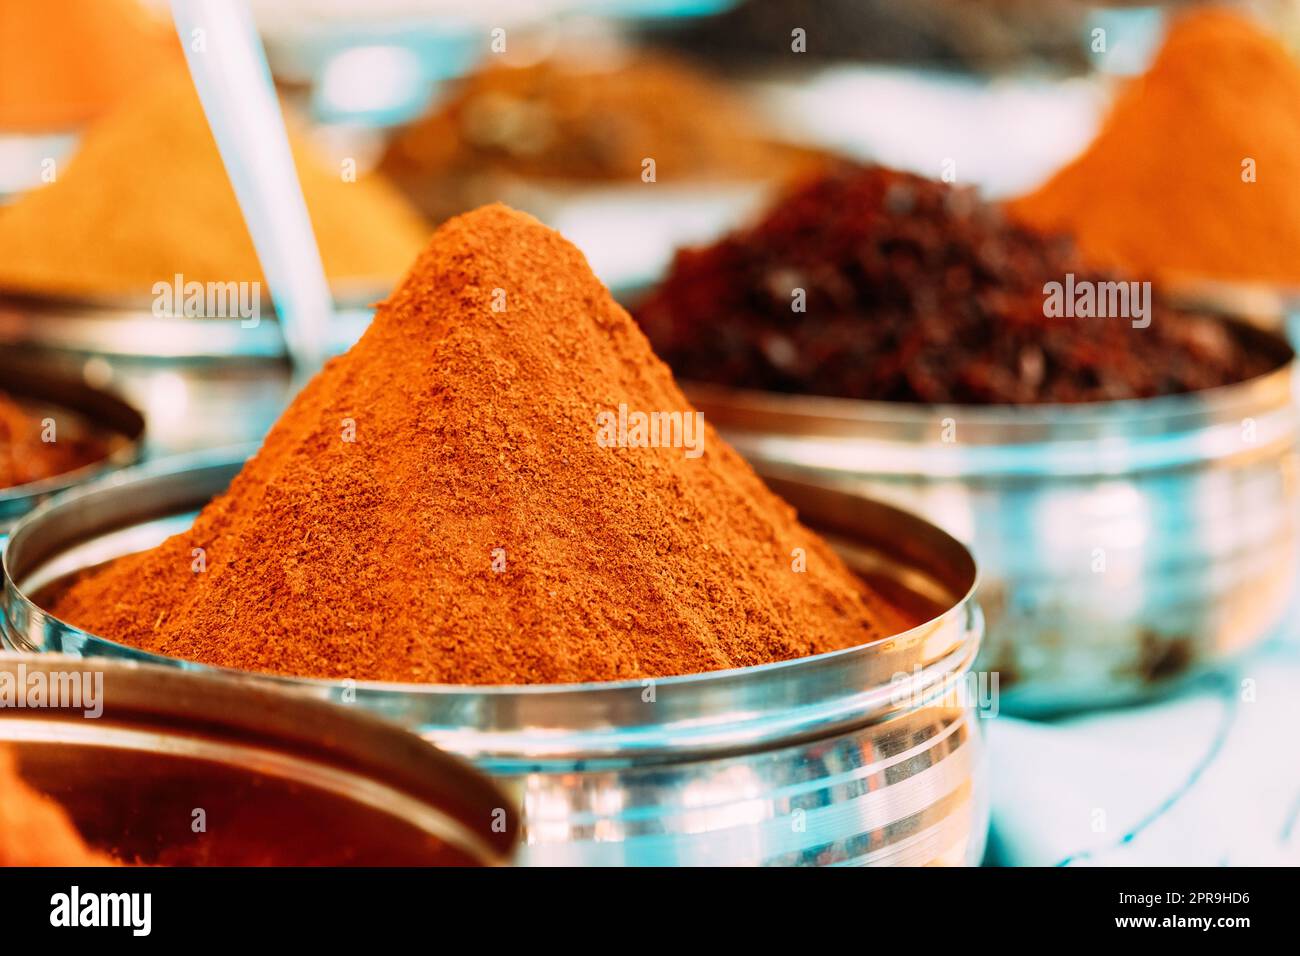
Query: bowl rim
point(937, 653)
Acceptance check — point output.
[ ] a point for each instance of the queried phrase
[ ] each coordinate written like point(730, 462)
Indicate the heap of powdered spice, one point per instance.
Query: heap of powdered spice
point(1195, 174)
point(870, 283)
point(27, 452)
point(146, 197)
point(34, 829)
point(435, 506)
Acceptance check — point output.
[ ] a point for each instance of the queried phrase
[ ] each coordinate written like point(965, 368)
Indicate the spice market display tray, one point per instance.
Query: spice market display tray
point(1123, 546)
point(872, 755)
point(159, 767)
point(42, 385)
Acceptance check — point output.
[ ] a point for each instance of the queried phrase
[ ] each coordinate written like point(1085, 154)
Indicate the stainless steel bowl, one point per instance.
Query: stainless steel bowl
point(1263, 304)
point(202, 383)
point(157, 766)
point(118, 423)
point(1122, 545)
point(866, 756)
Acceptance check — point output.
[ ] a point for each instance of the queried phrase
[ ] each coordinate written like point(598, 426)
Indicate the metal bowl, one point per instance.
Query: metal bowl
point(870, 756)
point(1122, 545)
point(1263, 304)
point(121, 425)
point(157, 766)
point(202, 382)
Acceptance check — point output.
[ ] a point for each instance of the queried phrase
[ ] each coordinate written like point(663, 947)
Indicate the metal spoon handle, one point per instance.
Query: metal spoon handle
point(233, 80)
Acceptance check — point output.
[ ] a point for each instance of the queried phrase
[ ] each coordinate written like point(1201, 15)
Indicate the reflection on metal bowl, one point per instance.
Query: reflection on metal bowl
point(201, 382)
point(187, 769)
point(118, 424)
point(866, 756)
point(1263, 304)
point(1121, 545)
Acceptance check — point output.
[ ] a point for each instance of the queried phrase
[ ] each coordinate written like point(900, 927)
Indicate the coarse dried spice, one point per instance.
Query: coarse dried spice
point(435, 507)
point(34, 447)
point(915, 291)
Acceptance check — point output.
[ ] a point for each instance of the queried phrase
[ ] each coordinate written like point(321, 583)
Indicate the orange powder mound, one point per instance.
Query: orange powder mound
point(146, 197)
point(436, 506)
point(66, 62)
point(35, 830)
point(1160, 194)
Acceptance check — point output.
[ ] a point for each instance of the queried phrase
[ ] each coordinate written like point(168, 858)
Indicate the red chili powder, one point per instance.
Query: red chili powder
point(435, 507)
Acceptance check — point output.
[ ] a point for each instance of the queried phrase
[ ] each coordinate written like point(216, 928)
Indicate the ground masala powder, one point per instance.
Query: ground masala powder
point(146, 197)
point(1195, 174)
point(34, 829)
point(435, 506)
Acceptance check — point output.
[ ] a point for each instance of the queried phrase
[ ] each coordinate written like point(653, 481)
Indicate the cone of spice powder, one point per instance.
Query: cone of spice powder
point(146, 197)
point(435, 506)
point(1196, 172)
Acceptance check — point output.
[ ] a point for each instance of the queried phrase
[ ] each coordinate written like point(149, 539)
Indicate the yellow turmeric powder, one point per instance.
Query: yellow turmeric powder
point(1196, 172)
point(146, 197)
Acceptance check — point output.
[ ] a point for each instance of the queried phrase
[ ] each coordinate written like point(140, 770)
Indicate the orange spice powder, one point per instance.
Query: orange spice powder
point(1195, 174)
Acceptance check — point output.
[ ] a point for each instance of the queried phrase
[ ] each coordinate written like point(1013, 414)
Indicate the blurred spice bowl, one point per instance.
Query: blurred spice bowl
point(1128, 483)
point(131, 764)
point(629, 154)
